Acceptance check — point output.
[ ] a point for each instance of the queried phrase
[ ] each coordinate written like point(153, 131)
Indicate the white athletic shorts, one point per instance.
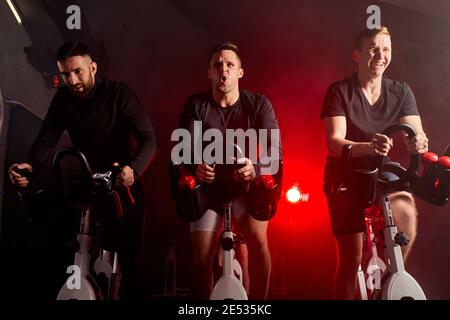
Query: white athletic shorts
point(212, 221)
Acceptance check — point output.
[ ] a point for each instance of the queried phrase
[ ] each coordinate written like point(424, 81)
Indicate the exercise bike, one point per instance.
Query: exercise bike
point(230, 285)
point(373, 189)
point(260, 199)
point(85, 195)
point(191, 204)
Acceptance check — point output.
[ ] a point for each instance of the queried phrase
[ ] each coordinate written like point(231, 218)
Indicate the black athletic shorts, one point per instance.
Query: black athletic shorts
point(346, 214)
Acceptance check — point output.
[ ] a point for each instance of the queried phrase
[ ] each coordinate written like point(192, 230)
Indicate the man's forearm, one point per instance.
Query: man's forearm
point(359, 149)
point(147, 150)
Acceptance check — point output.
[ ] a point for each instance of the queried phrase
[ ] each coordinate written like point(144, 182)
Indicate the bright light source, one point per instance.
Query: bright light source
point(293, 195)
point(14, 11)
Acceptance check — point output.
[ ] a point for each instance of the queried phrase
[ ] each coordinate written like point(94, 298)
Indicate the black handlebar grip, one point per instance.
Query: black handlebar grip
point(23, 172)
point(414, 158)
point(400, 127)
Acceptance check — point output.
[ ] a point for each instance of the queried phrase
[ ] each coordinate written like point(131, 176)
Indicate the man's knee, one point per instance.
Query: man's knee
point(255, 234)
point(243, 252)
point(403, 205)
point(257, 241)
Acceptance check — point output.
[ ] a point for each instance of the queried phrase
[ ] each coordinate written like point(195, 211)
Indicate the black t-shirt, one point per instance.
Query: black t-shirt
point(100, 125)
point(252, 110)
point(346, 98)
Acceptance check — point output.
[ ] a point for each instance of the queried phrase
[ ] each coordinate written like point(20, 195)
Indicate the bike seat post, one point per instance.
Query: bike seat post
point(227, 216)
point(227, 240)
point(394, 256)
point(229, 286)
point(85, 224)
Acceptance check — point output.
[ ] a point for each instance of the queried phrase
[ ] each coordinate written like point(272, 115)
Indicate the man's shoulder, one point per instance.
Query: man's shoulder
point(343, 84)
point(199, 98)
point(255, 100)
point(398, 89)
point(254, 96)
point(196, 102)
point(395, 86)
point(114, 85)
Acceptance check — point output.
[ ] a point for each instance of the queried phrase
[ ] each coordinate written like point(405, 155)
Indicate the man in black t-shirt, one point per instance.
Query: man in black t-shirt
point(224, 107)
point(105, 120)
point(355, 111)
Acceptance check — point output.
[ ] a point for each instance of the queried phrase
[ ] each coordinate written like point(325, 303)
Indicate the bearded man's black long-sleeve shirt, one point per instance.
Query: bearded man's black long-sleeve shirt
point(101, 125)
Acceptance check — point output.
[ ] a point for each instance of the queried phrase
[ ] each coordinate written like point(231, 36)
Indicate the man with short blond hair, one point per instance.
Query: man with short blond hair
point(356, 110)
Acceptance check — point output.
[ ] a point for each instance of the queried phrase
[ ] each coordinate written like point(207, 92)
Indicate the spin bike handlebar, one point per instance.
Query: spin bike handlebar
point(93, 189)
point(261, 198)
point(368, 183)
point(90, 183)
point(433, 186)
point(57, 159)
point(405, 175)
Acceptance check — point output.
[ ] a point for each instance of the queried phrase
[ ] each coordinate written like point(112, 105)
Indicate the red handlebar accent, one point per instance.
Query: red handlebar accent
point(444, 161)
point(267, 181)
point(187, 183)
point(430, 158)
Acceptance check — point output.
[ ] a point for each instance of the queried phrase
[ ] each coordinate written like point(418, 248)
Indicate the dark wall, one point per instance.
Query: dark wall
point(292, 50)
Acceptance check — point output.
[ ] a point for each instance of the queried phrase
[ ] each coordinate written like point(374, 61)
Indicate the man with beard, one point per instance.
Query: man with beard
point(102, 118)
